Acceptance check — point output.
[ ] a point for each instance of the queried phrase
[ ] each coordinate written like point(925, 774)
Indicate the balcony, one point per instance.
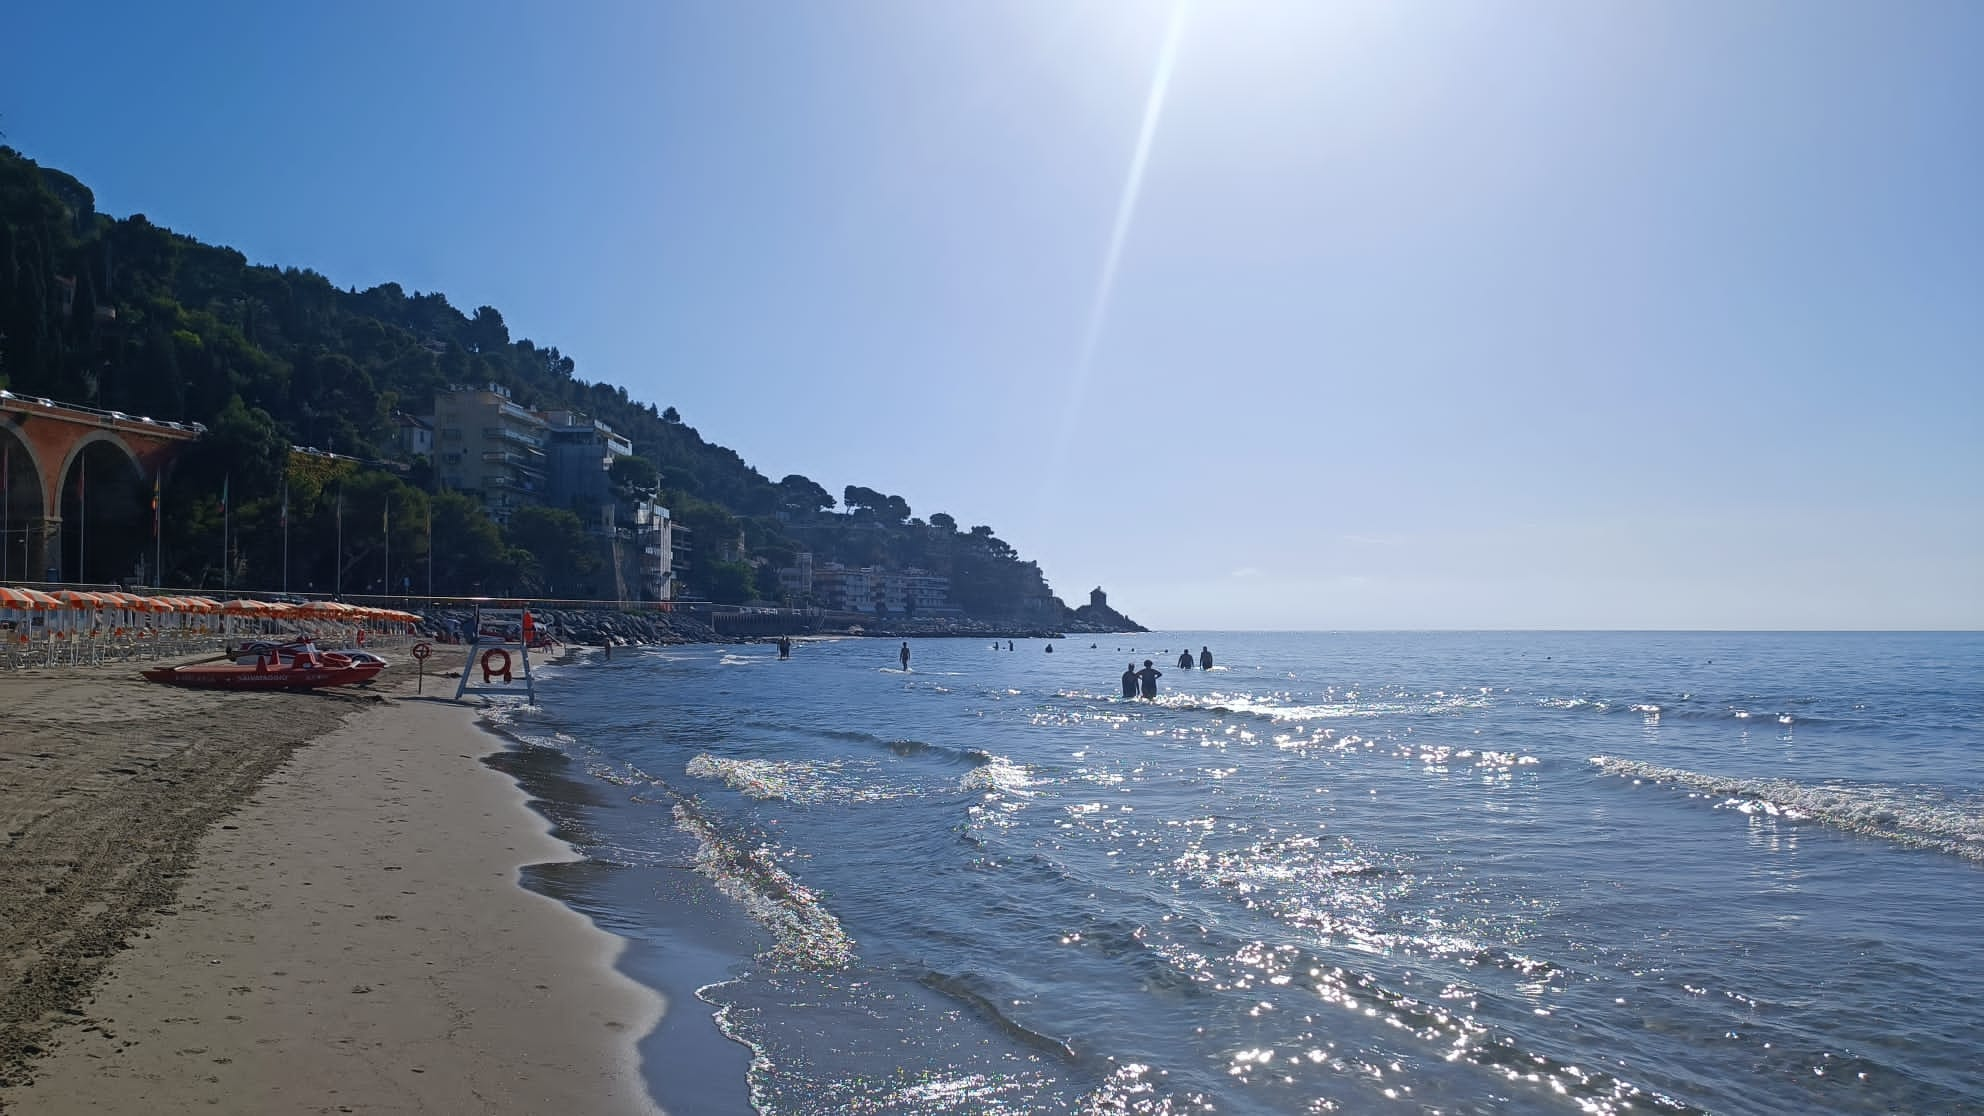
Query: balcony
point(521, 414)
point(511, 434)
point(524, 462)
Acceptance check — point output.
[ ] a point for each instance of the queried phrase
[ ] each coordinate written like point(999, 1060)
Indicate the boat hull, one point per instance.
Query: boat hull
point(234, 676)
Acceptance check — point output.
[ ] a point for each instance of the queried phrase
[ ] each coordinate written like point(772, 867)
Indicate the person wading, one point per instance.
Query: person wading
point(1130, 681)
point(1148, 677)
point(905, 656)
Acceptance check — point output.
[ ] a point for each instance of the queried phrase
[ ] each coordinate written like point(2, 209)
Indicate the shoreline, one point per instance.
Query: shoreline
point(691, 935)
point(337, 919)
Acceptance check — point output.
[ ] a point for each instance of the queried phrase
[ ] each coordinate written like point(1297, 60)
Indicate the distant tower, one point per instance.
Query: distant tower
point(1097, 599)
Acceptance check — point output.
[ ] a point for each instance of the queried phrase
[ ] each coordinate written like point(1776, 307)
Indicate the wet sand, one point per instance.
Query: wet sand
point(286, 903)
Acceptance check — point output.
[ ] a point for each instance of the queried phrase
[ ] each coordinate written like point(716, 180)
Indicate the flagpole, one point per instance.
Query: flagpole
point(226, 483)
point(82, 518)
point(285, 536)
point(6, 496)
point(386, 521)
point(430, 553)
point(158, 535)
point(339, 586)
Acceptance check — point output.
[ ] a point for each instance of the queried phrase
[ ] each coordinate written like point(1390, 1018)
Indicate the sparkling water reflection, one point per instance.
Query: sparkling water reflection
point(1454, 872)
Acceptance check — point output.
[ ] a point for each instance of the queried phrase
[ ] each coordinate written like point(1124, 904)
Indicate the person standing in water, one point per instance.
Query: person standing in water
point(1185, 660)
point(1130, 681)
point(1147, 678)
point(1205, 657)
point(905, 656)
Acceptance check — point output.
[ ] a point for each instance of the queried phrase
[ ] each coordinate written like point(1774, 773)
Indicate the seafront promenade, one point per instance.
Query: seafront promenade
point(224, 903)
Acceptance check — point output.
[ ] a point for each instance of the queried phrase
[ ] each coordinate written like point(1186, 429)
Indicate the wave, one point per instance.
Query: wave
point(961, 988)
point(1131, 1089)
point(1268, 708)
point(1920, 818)
point(797, 781)
point(805, 934)
point(1684, 708)
point(902, 746)
point(998, 775)
point(1463, 1030)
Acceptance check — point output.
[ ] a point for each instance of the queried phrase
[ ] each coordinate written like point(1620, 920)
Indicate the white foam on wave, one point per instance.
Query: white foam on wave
point(1270, 706)
point(510, 717)
point(743, 660)
point(799, 782)
point(804, 933)
point(998, 775)
point(1916, 818)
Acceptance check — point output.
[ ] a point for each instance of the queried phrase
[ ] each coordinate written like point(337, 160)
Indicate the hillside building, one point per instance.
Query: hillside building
point(871, 589)
point(490, 447)
point(580, 451)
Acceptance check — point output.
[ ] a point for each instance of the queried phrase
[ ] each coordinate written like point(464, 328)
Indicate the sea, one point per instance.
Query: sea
point(1338, 872)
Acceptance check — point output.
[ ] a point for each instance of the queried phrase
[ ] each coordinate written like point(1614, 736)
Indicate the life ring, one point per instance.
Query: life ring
point(495, 661)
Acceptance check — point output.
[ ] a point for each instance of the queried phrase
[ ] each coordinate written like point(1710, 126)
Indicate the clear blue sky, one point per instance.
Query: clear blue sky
point(1539, 314)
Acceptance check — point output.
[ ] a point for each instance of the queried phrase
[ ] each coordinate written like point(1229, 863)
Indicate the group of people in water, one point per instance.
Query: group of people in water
point(1136, 683)
point(1143, 683)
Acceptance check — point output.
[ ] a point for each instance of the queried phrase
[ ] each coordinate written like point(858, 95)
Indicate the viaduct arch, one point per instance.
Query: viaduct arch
point(42, 441)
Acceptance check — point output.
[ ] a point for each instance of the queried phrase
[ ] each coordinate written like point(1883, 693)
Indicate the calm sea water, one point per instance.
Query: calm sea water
point(1463, 872)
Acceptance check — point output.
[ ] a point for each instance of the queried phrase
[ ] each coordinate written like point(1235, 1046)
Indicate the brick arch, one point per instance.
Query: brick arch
point(55, 434)
point(76, 448)
point(18, 439)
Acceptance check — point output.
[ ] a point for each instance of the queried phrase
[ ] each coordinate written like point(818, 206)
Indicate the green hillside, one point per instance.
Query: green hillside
point(128, 316)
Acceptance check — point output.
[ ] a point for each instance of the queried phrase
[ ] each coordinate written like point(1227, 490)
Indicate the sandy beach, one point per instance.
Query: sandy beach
point(286, 903)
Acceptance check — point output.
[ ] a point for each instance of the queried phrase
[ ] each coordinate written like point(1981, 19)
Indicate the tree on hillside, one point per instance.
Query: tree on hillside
point(802, 495)
point(728, 582)
point(943, 522)
point(858, 499)
point(486, 332)
point(556, 540)
point(469, 556)
point(867, 503)
point(633, 474)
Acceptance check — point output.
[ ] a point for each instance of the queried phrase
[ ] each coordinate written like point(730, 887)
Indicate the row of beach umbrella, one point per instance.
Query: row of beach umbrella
point(77, 600)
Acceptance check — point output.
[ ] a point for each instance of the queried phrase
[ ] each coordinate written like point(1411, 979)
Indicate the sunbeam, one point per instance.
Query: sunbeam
point(1126, 211)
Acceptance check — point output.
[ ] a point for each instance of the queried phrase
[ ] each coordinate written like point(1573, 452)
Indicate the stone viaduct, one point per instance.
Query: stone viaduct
point(41, 443)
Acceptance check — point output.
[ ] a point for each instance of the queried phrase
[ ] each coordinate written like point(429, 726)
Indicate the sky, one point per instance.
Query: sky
point(1276, 315)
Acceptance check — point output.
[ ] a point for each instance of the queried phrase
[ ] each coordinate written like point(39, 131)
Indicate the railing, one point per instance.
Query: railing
point(513, 435)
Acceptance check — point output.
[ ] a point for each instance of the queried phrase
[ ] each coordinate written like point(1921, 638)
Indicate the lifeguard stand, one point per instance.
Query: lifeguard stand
point(498, 648)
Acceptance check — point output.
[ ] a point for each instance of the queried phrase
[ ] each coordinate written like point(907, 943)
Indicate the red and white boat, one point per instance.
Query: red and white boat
point(309, 670)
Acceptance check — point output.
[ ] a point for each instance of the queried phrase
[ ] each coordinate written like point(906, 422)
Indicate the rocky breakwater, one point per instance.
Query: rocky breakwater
point(590, 627)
